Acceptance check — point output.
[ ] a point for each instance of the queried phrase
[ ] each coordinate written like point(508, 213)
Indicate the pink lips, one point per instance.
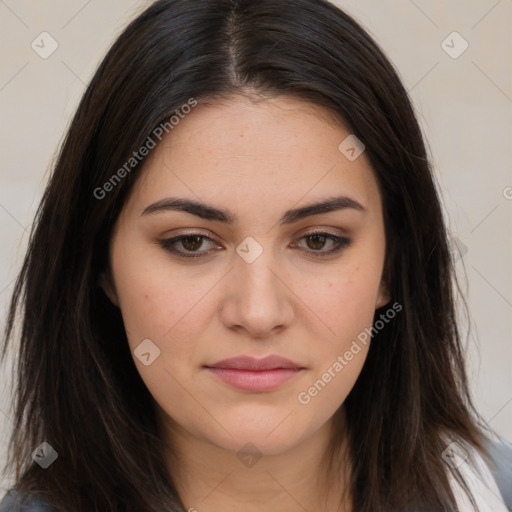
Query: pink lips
point(257, 375)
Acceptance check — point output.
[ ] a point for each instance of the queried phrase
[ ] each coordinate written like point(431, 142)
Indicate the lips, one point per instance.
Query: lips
point(250, 363)
point(255, 375)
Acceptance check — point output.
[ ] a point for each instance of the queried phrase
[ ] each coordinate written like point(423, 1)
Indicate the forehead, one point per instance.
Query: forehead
point(238, 125)
point(274, 150)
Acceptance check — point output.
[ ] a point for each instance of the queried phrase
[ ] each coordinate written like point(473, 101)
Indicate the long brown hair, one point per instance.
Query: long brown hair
point(77, 387)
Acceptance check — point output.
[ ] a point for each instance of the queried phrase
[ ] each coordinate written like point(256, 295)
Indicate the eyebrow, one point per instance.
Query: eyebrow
point(209, 212)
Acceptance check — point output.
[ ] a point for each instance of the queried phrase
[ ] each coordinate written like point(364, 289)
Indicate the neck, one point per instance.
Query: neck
point(210, 478)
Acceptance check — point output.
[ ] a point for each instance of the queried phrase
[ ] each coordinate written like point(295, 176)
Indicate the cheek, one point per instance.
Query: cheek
point(333, 380)
point(167, 314)
point(344, 295)
point(154, 296)
point(348, 306)
point(344, 304)
point(170, 316)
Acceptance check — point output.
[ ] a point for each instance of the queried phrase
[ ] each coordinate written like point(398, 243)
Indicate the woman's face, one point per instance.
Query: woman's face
point(261, 284)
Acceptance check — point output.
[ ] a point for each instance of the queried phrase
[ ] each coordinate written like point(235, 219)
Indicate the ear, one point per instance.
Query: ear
point(106, 283)
point(383, 297)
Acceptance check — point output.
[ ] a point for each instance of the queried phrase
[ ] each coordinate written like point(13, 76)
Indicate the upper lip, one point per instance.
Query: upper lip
point(251, 363)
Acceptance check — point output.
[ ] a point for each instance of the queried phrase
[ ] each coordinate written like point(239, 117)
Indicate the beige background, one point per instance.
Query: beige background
point(464, 104)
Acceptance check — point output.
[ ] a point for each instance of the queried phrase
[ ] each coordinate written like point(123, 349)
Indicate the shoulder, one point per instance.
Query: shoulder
point(500, 453)
point(15, 501)
point(490, 480)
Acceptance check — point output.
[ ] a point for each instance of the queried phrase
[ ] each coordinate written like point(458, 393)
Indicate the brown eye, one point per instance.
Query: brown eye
point(191, 243)
point(316, 242)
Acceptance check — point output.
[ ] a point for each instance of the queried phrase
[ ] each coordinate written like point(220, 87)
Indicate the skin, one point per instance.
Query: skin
point(256, 159)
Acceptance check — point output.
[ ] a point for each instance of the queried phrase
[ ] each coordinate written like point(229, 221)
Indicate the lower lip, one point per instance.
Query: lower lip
point(257, 381)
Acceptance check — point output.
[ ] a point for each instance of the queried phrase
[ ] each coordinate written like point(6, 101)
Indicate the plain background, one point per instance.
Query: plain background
point(464, 105)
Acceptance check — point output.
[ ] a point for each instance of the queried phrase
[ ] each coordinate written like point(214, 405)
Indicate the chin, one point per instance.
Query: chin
point(265, 437)
point(258, 443)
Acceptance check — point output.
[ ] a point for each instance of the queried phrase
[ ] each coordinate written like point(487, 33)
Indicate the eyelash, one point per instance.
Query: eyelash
point(168, 243)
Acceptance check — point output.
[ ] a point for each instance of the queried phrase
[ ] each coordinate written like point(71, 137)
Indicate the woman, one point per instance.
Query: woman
point(238, 292)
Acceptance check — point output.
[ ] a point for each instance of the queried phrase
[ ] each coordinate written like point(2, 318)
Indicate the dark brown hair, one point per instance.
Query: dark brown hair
point(77, 387)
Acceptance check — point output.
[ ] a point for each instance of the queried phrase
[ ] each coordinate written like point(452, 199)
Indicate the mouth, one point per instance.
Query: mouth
point(255, 375)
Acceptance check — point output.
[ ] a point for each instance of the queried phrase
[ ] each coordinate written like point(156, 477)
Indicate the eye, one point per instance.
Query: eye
point(191, 242)
point(317, 240)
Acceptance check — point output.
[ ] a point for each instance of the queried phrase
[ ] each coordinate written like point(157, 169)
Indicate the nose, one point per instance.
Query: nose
point(258, 299)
